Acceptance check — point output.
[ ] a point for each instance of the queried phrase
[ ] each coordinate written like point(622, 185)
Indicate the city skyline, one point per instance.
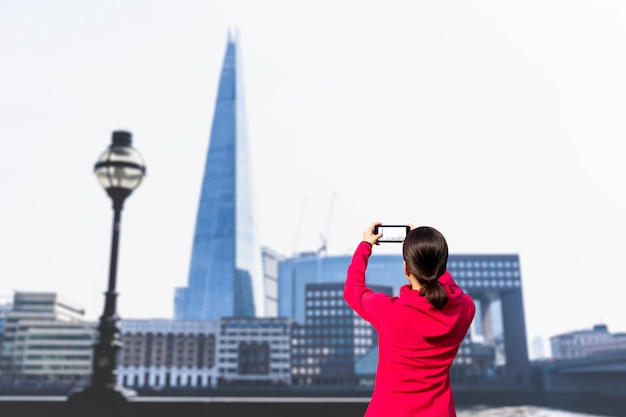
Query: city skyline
point(503, 120)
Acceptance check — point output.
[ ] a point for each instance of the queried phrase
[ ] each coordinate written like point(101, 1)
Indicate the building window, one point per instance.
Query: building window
point(254, 358)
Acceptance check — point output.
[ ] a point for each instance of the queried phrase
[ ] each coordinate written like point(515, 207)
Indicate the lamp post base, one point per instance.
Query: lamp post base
point(100, 401)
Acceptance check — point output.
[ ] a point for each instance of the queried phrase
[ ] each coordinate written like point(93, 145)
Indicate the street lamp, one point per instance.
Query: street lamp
point(119, 170)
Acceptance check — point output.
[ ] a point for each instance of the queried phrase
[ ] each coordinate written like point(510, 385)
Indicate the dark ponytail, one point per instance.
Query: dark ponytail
point(434, 293)
point(425, 252)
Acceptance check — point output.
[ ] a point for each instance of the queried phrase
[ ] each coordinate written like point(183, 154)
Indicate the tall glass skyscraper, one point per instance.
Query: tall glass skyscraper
point(225, 256)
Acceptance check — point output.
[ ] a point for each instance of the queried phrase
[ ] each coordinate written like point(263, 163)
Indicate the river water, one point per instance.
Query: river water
point(521, 411)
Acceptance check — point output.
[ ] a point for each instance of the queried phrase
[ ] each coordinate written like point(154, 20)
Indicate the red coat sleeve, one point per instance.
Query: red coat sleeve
point(368, 304)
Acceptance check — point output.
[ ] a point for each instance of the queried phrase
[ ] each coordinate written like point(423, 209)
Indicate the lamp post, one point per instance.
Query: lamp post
point(120, 169)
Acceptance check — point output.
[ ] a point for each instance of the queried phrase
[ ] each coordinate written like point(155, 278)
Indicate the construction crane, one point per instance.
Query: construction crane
point(298, 227)
point(324, 247)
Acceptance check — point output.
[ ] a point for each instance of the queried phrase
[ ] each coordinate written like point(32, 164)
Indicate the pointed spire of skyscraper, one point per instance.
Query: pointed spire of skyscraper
point(224, 254)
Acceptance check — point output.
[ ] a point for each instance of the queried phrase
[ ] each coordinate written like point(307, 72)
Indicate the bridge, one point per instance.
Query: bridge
point(585, 384)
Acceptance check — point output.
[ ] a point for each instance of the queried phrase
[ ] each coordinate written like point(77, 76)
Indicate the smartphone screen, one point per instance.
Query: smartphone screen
point(392, 233)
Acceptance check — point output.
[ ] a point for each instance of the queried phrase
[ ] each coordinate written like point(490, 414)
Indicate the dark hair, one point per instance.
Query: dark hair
point(425, 252)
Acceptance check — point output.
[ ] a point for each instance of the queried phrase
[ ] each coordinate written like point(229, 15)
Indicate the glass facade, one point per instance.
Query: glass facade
point(326, 349)
point(46, 342)
point(225, 256)
point(270, 261)
point(295, 273)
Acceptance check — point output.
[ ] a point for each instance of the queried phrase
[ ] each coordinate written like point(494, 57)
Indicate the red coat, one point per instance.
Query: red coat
point(416, 343)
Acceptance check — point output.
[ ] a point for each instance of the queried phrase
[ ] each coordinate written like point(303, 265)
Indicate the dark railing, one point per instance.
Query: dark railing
point(51, 406)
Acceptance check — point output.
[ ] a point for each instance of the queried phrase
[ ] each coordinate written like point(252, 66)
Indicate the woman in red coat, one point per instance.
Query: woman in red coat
point(419, 332)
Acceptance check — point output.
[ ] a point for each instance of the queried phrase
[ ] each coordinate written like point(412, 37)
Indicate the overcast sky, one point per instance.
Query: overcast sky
point(499, 123)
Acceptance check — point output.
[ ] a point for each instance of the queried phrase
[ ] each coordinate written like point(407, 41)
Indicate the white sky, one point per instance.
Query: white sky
point(496, 122)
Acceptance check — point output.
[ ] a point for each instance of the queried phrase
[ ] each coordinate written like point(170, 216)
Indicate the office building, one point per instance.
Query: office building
point(270, 262)
point(46, 342)
point(327, 348)
point(296, 272)
point(537, 350)
point(587, 343)
point(224, 274)
point(5, 306)
point(494, 282)
point(162, 353)
point(254, 352)
point(204, 354)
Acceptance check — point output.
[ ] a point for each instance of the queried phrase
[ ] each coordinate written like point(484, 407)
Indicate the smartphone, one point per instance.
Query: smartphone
point(391, 233)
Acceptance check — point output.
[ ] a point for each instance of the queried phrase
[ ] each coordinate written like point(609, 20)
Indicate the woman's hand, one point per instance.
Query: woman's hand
point(369, 236)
